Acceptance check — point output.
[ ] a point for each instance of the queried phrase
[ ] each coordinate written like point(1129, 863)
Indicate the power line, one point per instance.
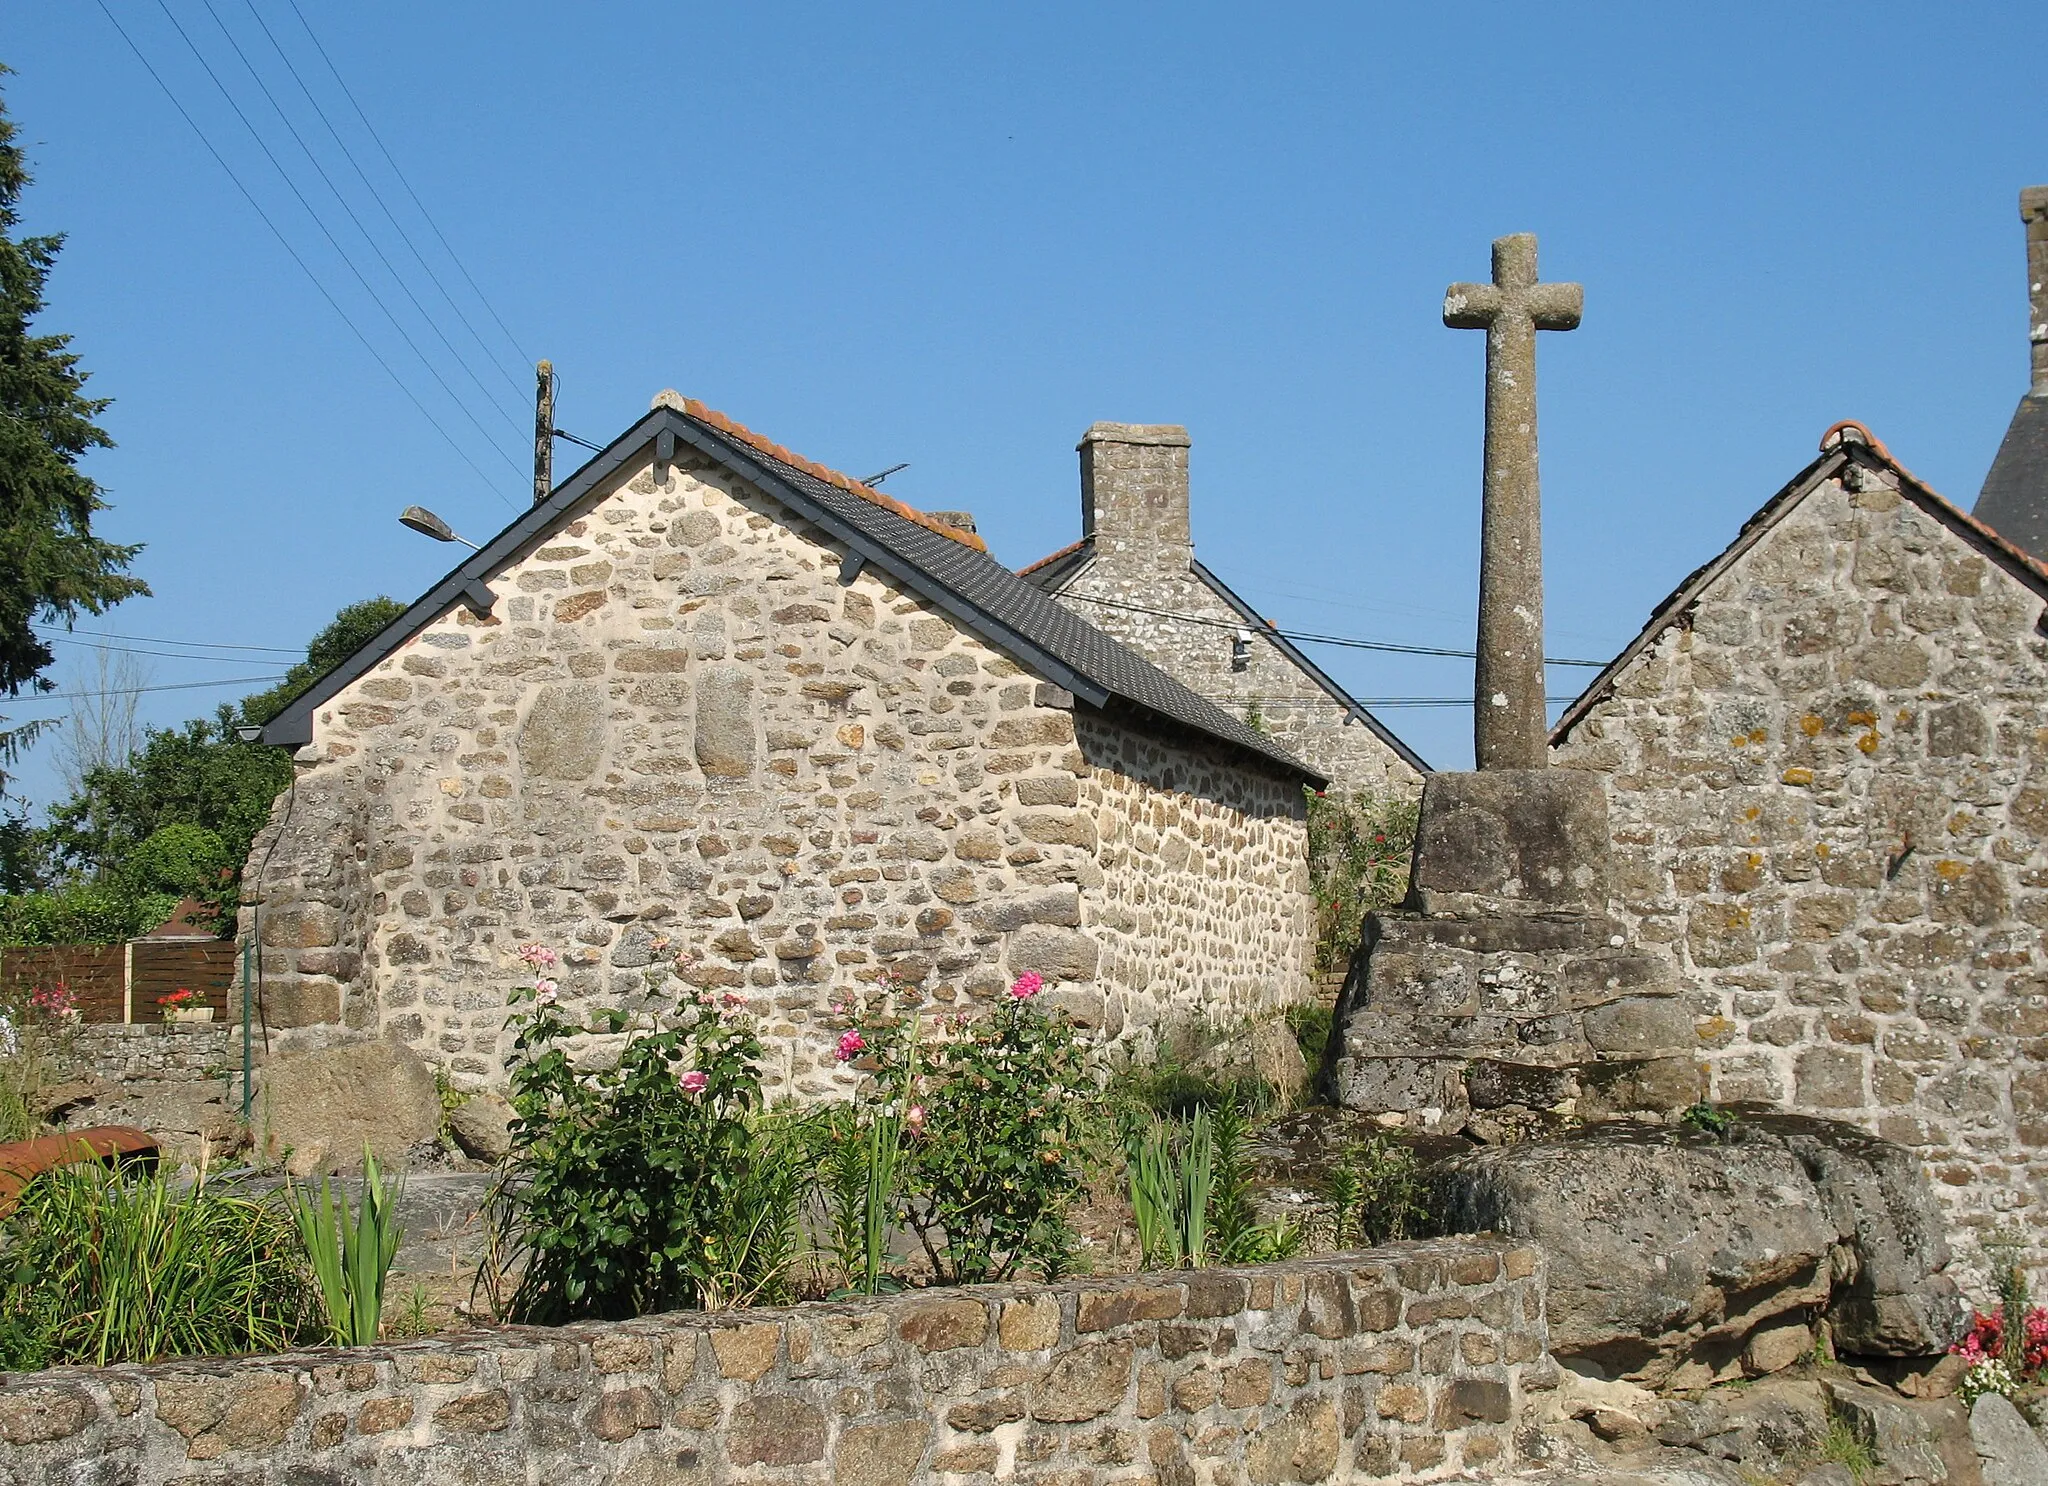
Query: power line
point(1312, 639)
point(341, 252)
point(122, 691)
point(378, 196)
point(425, 215)
point(293, 253)
point(159, 640)
point(350, 212)
point(229, 660)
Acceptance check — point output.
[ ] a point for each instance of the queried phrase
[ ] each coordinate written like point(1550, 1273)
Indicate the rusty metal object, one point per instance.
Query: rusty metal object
point(22, 1161)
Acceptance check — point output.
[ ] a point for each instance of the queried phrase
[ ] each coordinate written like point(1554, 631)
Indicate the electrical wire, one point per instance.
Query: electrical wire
point(228, 660)
point(293, 253)
point(333, 242)
point(490, 398)
point(98, 634)
point(378, 197)
point(425, 215)
point(1313, 639)
point(124, 691)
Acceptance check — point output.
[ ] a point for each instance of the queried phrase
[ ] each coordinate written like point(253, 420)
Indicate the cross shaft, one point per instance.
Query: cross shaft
point(1510, 723)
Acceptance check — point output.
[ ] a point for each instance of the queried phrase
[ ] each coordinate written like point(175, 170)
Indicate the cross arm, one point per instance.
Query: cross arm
point(1556, 306)
point(1471, 306)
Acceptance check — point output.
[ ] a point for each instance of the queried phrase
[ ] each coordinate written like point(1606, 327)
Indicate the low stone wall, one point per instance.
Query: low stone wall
point(182, 1084)
point(1414, 1360)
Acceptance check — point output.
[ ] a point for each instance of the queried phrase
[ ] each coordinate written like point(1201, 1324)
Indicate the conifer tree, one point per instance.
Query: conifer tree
point(51, 564)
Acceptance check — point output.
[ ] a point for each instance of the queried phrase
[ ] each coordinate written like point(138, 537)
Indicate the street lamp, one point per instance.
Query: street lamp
point(427, 524)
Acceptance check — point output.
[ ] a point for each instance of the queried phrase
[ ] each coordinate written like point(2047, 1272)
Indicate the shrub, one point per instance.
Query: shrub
point(1359, 849)
point(996, 1131)
point(652, 1183)
point(178, 861)
point(1378, 1194)
point(104, 1266)
point(86, 913)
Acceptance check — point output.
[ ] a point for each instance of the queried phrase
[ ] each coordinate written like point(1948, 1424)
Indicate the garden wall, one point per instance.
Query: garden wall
point(1413, 1360)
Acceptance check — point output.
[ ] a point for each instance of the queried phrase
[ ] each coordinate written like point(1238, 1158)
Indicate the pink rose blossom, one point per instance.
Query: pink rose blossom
point(694, 1081)
point(1027, 985)
point(544, 993)
point(913, 1119)
point(850, 1045)
point(539, 956)
point(732, 1000)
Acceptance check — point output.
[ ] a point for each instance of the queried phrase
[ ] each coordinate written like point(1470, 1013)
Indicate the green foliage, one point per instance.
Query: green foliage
point(350, 630)
point(103, 1266)
point(1311, 1026)
point(2014, 1302)
point(1378, 1194)
point(1359, 849)
point(82, 913)
point(197, 775)
point(655, 1183)
point(864, 1177)
point(1709, 1119)
point(351, 1256)
point(999, 1133)
point(34, 1052)
point(52, 567)
point(1190, 1187)
point(178, 860)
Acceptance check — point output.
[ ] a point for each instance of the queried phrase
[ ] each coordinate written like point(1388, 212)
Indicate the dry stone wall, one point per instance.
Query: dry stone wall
point(1829, 798)
point(679, 732)
point(1413, 1361)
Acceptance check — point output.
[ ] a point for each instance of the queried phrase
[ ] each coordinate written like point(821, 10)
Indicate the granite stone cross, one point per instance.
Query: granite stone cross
point(1510, 725)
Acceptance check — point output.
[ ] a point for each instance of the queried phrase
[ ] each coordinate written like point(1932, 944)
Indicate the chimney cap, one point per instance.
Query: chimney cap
point(2033, 202)
point(958, 520)
point(1171, 435)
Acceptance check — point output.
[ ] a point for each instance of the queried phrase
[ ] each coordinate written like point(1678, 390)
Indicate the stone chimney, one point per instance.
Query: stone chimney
point(1134, 493)
point(2034, 212)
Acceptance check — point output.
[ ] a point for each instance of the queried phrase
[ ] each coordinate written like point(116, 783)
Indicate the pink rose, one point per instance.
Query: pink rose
point(850, 1045)
point(539, 956)
point(913, 1119)
point(694, 1081)
point(544, 993)
point(1027, 985)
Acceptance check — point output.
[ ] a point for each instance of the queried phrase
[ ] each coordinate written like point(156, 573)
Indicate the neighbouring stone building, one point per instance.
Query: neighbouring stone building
point(710, 697)
point(1826, 767)
point(1134, 573)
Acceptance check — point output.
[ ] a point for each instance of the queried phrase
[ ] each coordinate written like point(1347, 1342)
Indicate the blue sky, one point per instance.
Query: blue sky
point(956, 235)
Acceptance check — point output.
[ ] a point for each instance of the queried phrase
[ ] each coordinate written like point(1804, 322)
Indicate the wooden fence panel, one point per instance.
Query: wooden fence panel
point(92, 971)
point(97, 975)
point(208, 968)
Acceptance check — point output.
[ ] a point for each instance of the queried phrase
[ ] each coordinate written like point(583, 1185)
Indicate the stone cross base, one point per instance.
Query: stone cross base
point(1504, 999)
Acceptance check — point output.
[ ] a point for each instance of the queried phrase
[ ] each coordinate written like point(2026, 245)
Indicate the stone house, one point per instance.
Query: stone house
point(712, 697)
point(1826, 767)
point(1134, 574)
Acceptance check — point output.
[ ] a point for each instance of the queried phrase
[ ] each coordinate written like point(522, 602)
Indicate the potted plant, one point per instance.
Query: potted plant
point(179, 1006)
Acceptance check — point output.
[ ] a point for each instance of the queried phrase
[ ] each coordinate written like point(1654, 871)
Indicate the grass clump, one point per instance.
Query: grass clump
point(1190, 1189)
point(1842, 1446)
point(105, 1265)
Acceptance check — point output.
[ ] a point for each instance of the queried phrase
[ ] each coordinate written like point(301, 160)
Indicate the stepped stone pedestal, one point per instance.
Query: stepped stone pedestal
point(1503, 997)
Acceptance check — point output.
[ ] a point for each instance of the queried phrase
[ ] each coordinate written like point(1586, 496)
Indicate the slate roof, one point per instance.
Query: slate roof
point(1844, 444)
point(1052, 573)
point(949, 568)
point(2014, 500)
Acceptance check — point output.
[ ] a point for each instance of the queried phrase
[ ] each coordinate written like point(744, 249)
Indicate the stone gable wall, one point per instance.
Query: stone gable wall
point(1290, 705)
point(1412, 1361)
point(1829, 797)
point(678, 731)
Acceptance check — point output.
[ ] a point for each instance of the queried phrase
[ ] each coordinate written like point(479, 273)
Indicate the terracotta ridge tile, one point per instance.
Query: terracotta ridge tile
point(1955, 512)
point(832, 477)
point(1052, 557)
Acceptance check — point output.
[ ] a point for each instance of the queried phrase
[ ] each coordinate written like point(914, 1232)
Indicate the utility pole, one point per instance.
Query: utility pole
point(543, 431)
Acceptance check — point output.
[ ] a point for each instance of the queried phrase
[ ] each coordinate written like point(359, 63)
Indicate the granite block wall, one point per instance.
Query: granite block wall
point(681, 748)
point(1408, 1362)
point(1828, 788)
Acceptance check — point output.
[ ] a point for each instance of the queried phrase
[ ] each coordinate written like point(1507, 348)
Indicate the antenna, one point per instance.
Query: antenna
point(874, 480)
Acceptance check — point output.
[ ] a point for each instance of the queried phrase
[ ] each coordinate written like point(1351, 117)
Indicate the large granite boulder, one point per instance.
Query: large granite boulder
point(1673, 1251)
point(316, 1111)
